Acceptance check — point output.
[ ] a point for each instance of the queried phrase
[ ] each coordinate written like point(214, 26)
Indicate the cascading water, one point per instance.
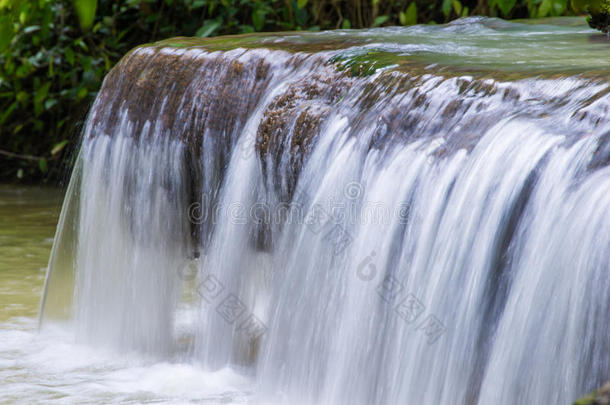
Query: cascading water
point(378, 217)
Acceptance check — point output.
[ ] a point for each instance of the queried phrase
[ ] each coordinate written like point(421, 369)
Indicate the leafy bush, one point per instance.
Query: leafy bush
point(49, 73)
point(55, 53)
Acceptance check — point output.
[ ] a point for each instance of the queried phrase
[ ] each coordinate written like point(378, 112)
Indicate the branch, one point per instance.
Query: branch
point(18, 156)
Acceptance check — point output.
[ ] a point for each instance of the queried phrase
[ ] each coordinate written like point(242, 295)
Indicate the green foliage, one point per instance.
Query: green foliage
point(591, 6)
point(598, 12)
point(408, 17)
point(85, 9)
point(55, 53)
point(49, 71)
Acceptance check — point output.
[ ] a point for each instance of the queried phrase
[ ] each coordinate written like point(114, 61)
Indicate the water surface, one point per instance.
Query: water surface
point(28, 216)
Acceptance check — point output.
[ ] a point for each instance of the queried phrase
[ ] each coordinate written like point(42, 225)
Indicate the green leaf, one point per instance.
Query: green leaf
point(587, 6)
point(58, 147)
point(47, 19)
point(39, 96)
point(409, 17)
point(446, 7)
point(86, 62)
point(301, 3)
point(85, 10)
point(545, 8)
point(559, 7)
point(457, 7)
point(6, 32)
point(31, 28)
point(247, 29)
point(69, 56)
point(402, 18)
point(258, 19)
point(82, 93)
point(380, 20)
point(50, 103)
point(24, 70)
point(5, 114)
point(23, 97)
point(197, 4)
point(18, 8)
point(208, 28)
point(506, 6)
point(42, 164)
point(79, 42)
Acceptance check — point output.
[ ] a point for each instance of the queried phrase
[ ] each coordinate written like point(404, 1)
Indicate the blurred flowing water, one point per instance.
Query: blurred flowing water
point(401, 215)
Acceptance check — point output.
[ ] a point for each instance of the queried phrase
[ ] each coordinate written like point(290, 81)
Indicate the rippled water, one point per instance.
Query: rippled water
point(542, 46)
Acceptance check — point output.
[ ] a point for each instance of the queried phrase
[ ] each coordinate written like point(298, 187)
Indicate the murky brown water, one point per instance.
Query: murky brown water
point(28, 216)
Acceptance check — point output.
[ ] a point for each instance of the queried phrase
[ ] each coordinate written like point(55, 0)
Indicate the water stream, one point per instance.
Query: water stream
point(401, 215)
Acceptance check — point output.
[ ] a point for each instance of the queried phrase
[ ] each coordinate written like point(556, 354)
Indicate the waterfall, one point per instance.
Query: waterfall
point(341, 231)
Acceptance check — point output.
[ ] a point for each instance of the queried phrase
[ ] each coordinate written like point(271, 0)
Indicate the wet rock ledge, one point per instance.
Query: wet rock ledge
point(286, 88)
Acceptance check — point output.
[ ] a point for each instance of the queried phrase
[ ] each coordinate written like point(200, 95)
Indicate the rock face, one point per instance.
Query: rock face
point(285, 89)
point(207, 90)
point(599, 397)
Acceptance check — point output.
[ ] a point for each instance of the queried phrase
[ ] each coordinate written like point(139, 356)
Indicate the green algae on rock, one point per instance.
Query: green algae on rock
point(599, 397)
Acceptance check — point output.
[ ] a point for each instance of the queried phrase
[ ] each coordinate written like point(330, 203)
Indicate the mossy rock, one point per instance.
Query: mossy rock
point(365, 62)
point(598, 10)
point(599, 21)
point(599, 397)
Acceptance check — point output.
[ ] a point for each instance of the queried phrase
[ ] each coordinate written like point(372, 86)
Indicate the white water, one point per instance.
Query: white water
point(407, 273)
point(50, 368)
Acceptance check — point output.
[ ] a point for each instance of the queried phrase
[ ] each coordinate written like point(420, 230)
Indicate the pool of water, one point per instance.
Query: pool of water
point(28, 216)
point(49, 367)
